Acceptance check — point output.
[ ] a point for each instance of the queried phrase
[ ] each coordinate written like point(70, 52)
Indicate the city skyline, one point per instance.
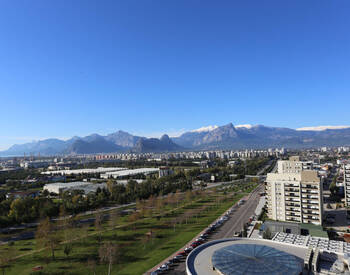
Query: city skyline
point(162, 67)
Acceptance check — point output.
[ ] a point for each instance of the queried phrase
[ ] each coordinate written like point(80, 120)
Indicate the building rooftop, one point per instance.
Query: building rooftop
point(244, 256)
point(130, 172)
point(324, 244)
point(84, 171)
point(255, 259)
point(309, 176)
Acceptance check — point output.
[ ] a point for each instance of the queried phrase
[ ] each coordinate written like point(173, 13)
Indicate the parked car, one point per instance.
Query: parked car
point(175, 260)
point(181, 253)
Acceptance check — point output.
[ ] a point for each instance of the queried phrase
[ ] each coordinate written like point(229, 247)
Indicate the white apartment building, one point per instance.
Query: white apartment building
point(294, 165)
point(346, 168)
point(294, 194)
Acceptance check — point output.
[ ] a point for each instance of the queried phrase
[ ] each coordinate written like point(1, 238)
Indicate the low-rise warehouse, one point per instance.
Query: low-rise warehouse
point(60, 187)
point(98, 170)
point(131, 172)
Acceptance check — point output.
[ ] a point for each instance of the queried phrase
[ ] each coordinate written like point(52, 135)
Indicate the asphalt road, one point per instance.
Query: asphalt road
point(233, 224)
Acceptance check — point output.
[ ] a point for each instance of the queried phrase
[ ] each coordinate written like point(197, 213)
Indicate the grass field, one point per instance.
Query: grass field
point(136, 253)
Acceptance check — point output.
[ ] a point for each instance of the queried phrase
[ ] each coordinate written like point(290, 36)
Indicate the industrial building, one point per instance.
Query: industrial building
point(60, 187)
point(130, 172)
point(294, 193)
point(98, 170)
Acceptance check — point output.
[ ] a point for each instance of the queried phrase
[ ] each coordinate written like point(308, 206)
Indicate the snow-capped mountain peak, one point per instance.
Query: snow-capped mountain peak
point(322, 128)
point(247, 126)
point(205, 129)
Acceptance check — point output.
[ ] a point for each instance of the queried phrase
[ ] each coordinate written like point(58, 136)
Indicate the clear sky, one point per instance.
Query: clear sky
point(163, 66)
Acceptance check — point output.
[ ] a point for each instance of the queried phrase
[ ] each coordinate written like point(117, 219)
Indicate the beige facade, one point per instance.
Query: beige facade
point(347, 184)
point(294, 196)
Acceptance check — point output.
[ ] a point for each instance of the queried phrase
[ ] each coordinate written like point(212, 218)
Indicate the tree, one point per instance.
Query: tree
point(46, 237)
point(134, 217)
point(98, 225)
point(140, 206)
point(333, 187)
point(113, 218)
point(174, 221)
point(65, 223)
point(145, 240)
point(177, 197)
point(189, 196)
point(160, 206)
point(67, 249)
point(113, 221)
point(108, 253)
point(6, 256)
point(91, 263)
point(110, 185)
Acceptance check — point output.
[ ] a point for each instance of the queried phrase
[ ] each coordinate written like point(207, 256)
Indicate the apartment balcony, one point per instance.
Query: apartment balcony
point(310, 187)
point(291, 195)
point(313, 207)
point(293, 199)
point(288, 189)
point(305, 191)
point(310, 202)
point(311, 212)
point(310, 197)
point(293, 214)
point(293, 209)
point(292, 204)
point(292, 185)
point(312, 219)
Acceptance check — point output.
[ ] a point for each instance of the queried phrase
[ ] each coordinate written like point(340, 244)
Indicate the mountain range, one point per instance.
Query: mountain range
point(205, 138)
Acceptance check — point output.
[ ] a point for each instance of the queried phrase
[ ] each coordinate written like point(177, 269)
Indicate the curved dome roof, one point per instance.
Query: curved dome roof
point(255, 259)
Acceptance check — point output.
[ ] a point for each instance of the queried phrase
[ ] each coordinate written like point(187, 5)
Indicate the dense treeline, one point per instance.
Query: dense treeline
point(16, 211)
point(17, 175)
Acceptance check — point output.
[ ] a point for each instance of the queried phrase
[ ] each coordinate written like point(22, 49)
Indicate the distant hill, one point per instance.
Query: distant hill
point(164, 144)
point(123, 139)
point(93, 145)
point(260, 136)
point(206, 138)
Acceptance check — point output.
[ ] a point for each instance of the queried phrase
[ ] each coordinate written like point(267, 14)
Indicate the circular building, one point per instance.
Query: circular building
point(245, 256)
point(254, 259)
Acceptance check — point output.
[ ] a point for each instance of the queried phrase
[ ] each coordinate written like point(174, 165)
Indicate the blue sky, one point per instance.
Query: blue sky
point(149, 67)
